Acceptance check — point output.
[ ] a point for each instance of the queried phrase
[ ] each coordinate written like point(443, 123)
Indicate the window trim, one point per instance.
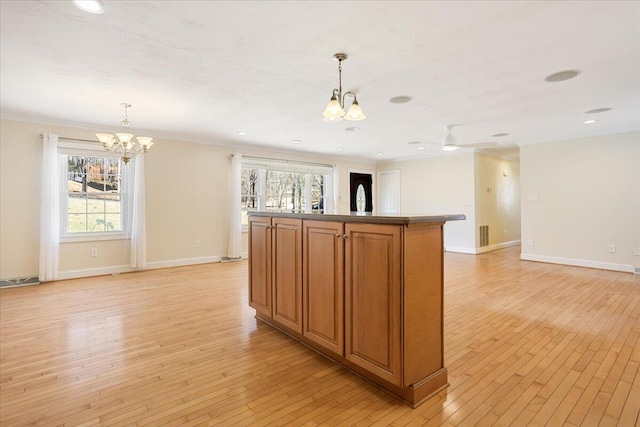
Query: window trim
point(68, 148)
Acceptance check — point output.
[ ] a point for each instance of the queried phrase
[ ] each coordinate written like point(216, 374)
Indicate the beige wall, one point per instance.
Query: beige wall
point(187, 200)
point(20, 162)
point(588, 193)
point(497, 198)
point(442, 184)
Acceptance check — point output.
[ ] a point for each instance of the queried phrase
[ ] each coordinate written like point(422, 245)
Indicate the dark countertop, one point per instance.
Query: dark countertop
point(365, 217)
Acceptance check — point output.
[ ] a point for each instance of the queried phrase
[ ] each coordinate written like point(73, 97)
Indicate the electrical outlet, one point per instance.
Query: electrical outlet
point(530, 242)
point(94, 252)
point(612, 249)
point(197, 243)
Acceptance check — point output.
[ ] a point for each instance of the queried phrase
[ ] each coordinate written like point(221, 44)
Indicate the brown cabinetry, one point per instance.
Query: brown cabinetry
point(323, 284)
point(364, 291)
point(275, 269)
point(287, 272)
point(260, 265)
point(373, 304)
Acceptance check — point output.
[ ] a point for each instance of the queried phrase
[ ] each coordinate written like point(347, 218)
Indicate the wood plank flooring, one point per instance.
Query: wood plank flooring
point(525, 344)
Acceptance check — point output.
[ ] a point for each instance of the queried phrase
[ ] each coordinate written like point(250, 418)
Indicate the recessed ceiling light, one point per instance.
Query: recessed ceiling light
point(562, 76)
point(296, 141)
point(498, 135)
point(400, 99)
point(340, 149)
point(449, 148)
point(353, 129)
point(379, 154)
point(91, 6)
point(421, 147)
point(588, 122)
point(415, 142)
point(242, 133)
point(598, 110)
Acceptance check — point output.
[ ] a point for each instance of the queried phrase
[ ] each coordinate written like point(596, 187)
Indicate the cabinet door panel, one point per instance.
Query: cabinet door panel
point(287, 272)
point(372, 297)
point(323, 284)
point(260, 264)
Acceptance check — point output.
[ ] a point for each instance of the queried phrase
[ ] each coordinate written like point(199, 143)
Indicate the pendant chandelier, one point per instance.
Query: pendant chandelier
point(126, 143)
point(335, 108)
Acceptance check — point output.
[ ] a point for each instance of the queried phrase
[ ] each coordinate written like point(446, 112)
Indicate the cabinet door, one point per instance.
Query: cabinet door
point(372, 299)
point(323, 284)
point(287, 272)
point(260, 264)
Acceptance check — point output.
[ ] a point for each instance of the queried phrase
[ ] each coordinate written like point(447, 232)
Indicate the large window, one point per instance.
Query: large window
point(270, 185)
point(94, 196)
point(93, 203)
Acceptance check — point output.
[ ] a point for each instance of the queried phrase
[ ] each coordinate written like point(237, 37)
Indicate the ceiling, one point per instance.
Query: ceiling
point(201, 71)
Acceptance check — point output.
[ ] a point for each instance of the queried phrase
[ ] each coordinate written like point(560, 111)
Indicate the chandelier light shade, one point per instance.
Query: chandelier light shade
point(334, 112)
point(124, 142)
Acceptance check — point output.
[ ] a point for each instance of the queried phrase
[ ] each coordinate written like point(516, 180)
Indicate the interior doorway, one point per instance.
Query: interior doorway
point(360, 192)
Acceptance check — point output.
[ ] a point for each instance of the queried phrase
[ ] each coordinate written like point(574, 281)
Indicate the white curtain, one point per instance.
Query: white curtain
point(336, 189)
point(235, 218)
point(135, 175)
point(49, 209)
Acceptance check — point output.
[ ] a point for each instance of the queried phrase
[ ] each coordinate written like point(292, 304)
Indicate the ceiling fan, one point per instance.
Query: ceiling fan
point(450, 143)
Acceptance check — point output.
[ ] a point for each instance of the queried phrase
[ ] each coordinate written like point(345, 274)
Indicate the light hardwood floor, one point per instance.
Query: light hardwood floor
point(525, 344)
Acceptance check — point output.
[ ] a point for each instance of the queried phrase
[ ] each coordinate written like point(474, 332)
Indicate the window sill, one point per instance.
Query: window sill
point(93, 237)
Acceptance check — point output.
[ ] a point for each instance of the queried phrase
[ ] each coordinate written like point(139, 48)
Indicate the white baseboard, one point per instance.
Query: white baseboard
point(117, 269)
point(460, 250)
point(475, 251)
point(182, 262)
point(578, 262)
point(90, 272)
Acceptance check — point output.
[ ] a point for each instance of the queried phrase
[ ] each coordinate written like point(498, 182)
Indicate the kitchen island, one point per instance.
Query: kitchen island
point(363, 290)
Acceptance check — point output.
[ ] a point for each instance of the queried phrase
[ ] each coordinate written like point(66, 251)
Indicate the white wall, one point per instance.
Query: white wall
point(588, 193)
point(497, 199)
point(187, 200)
point(437, 185)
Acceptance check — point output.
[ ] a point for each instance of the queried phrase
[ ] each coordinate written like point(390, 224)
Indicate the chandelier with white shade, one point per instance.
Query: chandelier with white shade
point(124, 142)
point(334, 112)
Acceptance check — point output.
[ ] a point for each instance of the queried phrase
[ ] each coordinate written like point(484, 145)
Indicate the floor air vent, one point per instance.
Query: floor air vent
point(21, 281)
point(484, 235)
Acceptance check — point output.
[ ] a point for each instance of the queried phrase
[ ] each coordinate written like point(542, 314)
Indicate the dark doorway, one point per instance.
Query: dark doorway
point(360, 194)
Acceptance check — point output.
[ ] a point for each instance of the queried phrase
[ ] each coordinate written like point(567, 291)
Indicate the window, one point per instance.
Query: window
point(272, 185)
point(93, 203)
point(94, 197)
point(249, 196)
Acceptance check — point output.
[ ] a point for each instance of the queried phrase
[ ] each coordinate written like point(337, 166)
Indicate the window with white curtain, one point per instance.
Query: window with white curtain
point(286, 186)
point(94, 195)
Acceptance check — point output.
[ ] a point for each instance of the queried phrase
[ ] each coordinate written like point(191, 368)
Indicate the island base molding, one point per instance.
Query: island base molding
point(413, 395)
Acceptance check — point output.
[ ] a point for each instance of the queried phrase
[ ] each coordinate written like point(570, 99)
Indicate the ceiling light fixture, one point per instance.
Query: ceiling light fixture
point(421, 148)
point(400, 99)
point(91, 6)
point(562, 76)
point(296, 141)
point(598, 110)
point(128, 144)
point(334, 112)
point(449, 143)
point(588, 122)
